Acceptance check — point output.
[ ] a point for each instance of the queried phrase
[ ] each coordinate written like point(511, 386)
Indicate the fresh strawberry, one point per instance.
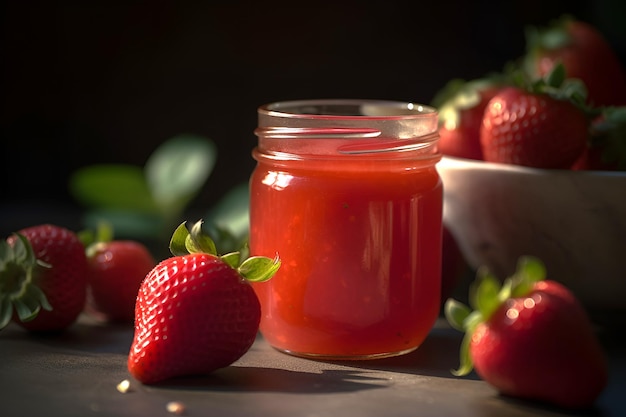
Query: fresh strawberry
point(196, 312)
point(585, 54)
point(607, 143)
point(116, 269)
point(530, 338)
point(542, 124)
point(461, 106)
point(43, 278)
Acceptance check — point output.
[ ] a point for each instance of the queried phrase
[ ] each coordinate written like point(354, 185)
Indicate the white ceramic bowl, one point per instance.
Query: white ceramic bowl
point(574, 221)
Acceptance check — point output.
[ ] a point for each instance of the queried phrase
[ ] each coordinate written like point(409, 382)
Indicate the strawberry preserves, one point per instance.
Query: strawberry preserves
point(347, 193)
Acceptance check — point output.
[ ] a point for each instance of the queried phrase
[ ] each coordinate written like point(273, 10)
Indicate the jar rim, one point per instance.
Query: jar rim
point(362, 109)
point(347, 126)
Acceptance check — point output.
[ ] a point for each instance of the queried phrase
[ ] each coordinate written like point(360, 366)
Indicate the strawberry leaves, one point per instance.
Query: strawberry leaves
point(145, 202)
point(18, 290)
point(259, 268)
point(487, 294)
point(254, 269)
point(555, 84)
point(184, 242)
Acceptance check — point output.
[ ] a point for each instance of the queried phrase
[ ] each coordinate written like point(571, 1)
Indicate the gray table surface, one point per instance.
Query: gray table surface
point(76, 374)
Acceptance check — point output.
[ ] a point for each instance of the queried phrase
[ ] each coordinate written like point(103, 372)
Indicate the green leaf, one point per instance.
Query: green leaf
point(576, 90)
point(228, 221)
point(556, 77)
point(470, 323)
point(485, 295)
point(532, 268)
point(37, 297)
point(465, 360)
point(25, 310)
point(23, 251)
point(185, 241)
point(529, 271)
point(456, 313)
point(113, 186)
point(6, 311)
point(103, 232)
point(232, 259)
point(199, 242)
point(177, 170)
point(125, 223)
point(259, 268)
point(178, 243)
point(231, 212)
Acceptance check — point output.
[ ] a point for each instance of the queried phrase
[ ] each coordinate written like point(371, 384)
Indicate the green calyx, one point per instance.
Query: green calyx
point(486, 295)
point(254, 269)
point(459, 94)
point(544, 40)
point(552, 37)
point(557, 85)
point(19, 293)
point(609, 135)
point(91, 239)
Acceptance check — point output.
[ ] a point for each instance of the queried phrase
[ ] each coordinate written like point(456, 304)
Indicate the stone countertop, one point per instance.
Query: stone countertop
point(76, 374)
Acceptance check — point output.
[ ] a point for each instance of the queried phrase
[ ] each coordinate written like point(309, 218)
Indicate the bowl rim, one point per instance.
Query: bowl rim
point(457, 162)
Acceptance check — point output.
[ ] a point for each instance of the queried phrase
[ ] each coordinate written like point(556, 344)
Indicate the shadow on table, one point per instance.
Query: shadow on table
point(437, 356)
point(264, 379)
point(82, 336)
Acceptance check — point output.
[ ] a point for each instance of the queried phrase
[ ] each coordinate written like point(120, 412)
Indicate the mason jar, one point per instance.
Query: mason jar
point(347, 194)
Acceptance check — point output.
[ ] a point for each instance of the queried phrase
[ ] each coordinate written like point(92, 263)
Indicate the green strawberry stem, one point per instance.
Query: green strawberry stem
point(92, 239)
point(487, 294)
point(18, 289)
point(254, 269)
point(551, 37)
point(557, 85)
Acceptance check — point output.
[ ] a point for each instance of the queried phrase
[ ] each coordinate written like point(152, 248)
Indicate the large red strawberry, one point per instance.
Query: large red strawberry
point(543, 124)
point(43, 278)
point(461, 106)
point(116, 269)
point(530, 338)
point(195, 311)
point(585, 54)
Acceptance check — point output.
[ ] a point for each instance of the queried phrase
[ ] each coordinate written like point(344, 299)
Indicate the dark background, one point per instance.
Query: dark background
point(90, 82)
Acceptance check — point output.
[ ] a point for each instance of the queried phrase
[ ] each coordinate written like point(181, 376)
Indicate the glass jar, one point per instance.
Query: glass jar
point(346, 192)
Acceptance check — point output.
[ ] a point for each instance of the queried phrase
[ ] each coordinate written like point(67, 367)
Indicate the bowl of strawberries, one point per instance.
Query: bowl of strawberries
point(534, 163)
point(575, 221)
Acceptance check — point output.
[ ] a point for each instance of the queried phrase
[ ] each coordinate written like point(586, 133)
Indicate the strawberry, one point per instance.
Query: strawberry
point(543, 124)
point(585, 54)
point(195, 311)
point(461, 106)
point(607, 144)
point(530, 338)
point(42, 278)
point(116, 269)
